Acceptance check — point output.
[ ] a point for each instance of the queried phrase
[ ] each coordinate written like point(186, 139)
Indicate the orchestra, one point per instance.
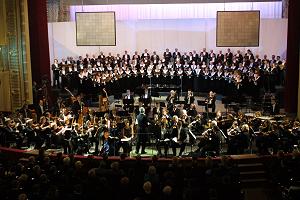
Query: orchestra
point(111, 134)
point(75, 128)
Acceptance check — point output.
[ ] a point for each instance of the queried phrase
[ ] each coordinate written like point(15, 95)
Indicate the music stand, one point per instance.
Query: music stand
point(145, 101)
point(179, 102)
point(122, 113)
point(99, 114)
point(201, 103)
point(128, 101)
point(154, 94)
point(139, 91)
point(226, 101)
point(118, 95)
point(162, 104)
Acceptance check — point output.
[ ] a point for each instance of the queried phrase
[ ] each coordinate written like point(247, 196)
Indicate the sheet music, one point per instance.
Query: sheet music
point(126, 139)
point(175, 139)
point(165, 140)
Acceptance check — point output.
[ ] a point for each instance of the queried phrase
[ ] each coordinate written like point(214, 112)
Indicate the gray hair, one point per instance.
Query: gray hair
point(142, 110)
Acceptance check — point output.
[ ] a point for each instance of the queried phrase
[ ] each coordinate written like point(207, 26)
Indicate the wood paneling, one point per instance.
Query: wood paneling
point(3, 38)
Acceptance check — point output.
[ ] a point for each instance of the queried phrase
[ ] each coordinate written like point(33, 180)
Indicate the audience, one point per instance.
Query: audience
point(57, 178)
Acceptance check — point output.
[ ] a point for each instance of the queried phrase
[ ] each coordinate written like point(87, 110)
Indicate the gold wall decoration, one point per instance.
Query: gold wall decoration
point(95, 29)
point(15, 56)
point(238, 28)
point(5, 100)
point(58, 10)
point(3, 39)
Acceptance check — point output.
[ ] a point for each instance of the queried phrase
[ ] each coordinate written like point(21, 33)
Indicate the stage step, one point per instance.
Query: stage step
point(255, 183)
point(250, 174)
point(251, 167)
point(253, 174)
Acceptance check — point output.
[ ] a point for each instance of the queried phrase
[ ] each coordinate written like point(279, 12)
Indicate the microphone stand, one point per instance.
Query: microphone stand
point(180, 85)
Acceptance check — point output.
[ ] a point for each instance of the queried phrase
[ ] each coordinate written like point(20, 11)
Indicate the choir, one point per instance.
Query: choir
point(226, 73)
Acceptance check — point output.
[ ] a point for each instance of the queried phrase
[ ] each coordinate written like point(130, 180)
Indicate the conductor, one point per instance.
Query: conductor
point(142, 122)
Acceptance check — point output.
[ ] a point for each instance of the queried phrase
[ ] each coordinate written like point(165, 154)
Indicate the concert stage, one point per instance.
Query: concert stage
point(18, 153)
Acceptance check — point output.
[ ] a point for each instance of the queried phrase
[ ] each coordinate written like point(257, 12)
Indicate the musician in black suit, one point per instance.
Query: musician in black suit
point(25, 111)
point(167, 56)
point(55, 69)
point(195, 56)
point(189, 99)
point(176, 53)
point(142, 122)
point(40, 109)
point(220, 57)
point(211, 102)
point(178, 133)
point(163, 136)
point(229, 56)
point(145, 98)
point(136, 56)
point(157, 110)
point(128, 95)
point(154, 58)
point(76, 107)
point(274, 107)
point(205, 55)
point(145, 55)
point(210, 140)
point(58, 105)
point(185, 58)
point(191, 111)
point(126, 57)
point(171, 98)
point(175, 111)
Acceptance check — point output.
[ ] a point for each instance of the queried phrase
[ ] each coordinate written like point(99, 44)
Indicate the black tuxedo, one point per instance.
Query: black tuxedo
point(56, 69)
point(220, 58)
point(185, 58)
point(138, 57)
point(145, 56)
point(229, 57)
point(167, 56)
point(181, 135)
point(175, 55)
point(39, 111)
point(205, 56)
point(142, 130)
point(126, 58)
point(195, 57)
point(175, 111)
point(188, 100)
point(155, 59)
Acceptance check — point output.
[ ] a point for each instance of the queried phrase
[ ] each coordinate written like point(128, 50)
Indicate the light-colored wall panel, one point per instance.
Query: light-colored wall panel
point(3, 38)
point(186, 35)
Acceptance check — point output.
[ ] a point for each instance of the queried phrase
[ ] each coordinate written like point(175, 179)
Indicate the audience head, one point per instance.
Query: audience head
point(167, 190)
point(147, 187)
point(151, 170)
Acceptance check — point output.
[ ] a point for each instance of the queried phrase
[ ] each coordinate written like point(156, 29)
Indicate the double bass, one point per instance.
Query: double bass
point(103, 101)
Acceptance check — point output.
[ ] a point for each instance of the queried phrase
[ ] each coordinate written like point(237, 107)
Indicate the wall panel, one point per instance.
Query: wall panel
point(186, 35)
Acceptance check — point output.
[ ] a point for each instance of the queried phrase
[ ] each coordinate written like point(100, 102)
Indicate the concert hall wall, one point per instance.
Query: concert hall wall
point(159, 26)
point(184, 34)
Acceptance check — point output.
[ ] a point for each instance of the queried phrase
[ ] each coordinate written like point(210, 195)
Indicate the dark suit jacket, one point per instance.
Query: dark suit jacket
point(39, 112)
point(192, 99)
